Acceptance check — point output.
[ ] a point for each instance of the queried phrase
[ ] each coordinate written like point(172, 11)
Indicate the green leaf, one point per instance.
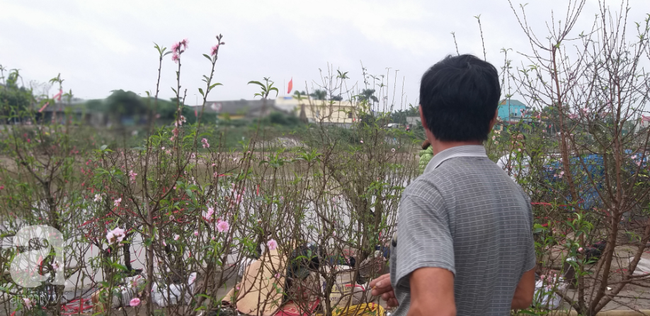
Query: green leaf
point(103, 147)
point(208, 57)
point(214, 85)
point(201, 92)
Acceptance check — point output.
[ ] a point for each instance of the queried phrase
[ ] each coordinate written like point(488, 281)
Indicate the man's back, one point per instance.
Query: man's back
point(464, 214)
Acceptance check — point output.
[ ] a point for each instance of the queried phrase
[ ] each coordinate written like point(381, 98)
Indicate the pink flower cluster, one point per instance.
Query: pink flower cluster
point(134, 302)
point(180, 121)
point(178, 49)
point(132, 175)
point(28, 303)
point(115, 235)
point(208, 216)
point(175, 132)
point(205, 143)
point(222, 226)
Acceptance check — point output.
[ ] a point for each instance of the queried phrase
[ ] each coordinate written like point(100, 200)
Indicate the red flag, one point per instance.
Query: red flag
point(290, 86)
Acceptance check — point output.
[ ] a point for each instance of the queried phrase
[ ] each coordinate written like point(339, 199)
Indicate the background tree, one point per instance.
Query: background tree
point(14, 100)
point(319, 94)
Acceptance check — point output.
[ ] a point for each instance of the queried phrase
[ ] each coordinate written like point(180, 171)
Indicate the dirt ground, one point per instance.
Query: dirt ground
point(632, 297)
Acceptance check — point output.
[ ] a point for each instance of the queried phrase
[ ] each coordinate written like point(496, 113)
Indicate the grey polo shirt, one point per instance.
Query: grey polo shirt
point(466, 215)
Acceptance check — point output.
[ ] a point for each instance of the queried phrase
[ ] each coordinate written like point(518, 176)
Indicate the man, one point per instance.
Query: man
point(464, 242)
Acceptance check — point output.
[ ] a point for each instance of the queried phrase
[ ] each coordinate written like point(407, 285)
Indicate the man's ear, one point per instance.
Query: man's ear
point(424, 122)
point(494, 119)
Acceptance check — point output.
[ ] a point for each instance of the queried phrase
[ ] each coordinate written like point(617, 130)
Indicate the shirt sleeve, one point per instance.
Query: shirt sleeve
point(423, 237)
point(530, 257)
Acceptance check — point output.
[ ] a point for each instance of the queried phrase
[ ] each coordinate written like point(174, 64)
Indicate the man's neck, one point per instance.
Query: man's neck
point(438, 146)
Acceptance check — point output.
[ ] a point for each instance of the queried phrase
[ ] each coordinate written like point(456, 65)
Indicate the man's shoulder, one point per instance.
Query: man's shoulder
point(460, 175)
point(423, 187)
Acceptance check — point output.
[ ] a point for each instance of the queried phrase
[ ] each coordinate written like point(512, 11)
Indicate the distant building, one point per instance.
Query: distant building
point(413, 121)
point(241, 109)
point(320, 111)
point(56, 112)
point(643, 123)
point(511, 110)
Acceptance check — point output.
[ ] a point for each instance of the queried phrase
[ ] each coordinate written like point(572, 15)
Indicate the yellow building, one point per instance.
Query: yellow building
point(319, 111)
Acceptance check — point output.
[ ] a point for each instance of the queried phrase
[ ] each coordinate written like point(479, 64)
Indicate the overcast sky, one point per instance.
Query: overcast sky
point(99, 46)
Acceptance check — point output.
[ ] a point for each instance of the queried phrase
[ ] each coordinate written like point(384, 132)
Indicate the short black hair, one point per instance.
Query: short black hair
point(459, 96)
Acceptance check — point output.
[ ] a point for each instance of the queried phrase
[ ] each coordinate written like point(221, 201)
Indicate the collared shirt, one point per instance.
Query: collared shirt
point(464, 214)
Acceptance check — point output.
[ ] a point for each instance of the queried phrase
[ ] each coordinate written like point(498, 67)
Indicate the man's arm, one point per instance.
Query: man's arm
point(432, 289)
point(525, 291)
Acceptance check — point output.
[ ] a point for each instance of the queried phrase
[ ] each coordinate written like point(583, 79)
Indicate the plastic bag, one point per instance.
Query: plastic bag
point(169, 295)
point(545, 294)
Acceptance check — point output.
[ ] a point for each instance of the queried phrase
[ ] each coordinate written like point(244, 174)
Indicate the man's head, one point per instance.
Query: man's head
point(459, 97)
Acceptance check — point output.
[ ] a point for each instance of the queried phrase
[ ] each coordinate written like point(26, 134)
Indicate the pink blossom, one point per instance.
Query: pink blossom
point(196, 233)
point(208, 215)
point(361, 141)
point(115, 235)
point(176, 47)
point(132, 175)
point(542, 277)
point(272, 244)
point(176, 237)
point(28, 303)
point(134, 302)
point(580, 249)
point(215, 48)
point(392, 149)
point(205, 143)
point(98, 197)
point(2, 187)
point(175, 57)
point(223, 226)
point(117, 202)
point(55, 265)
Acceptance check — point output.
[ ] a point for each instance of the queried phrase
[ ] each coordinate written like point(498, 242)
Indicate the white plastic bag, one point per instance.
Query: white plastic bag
point(124, 293)
point(545, 294)
point(169, 295)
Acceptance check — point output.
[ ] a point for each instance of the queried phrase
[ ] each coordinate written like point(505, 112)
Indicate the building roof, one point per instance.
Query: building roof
point(511, 102)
